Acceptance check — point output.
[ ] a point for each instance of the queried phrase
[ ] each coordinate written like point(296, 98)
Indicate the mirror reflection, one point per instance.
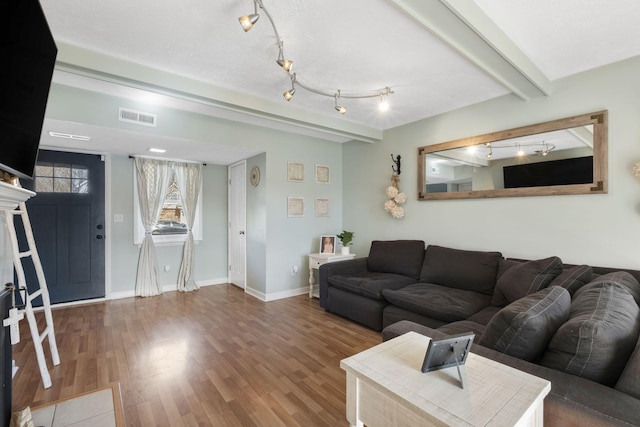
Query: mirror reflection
point(551, 158)
point(566, 156)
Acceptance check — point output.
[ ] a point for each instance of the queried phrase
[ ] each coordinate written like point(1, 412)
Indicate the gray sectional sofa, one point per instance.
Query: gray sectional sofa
point(575, 325)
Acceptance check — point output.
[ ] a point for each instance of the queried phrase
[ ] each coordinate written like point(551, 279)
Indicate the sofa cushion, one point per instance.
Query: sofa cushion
point(438, 302)
point(402, 257)
point(523, 328)
point(628, 382)
point(524, 279)
point(369, 285)
point(600, 335)
point(573, 278)
point(455, 268)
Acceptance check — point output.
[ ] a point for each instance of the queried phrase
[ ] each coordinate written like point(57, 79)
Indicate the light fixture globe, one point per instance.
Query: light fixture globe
point(247, 21)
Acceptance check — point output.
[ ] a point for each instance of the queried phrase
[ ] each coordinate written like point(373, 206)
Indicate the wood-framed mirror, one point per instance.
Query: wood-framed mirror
point(559, 157)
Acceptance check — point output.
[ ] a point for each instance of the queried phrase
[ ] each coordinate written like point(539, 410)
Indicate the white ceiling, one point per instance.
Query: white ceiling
point(436, 55)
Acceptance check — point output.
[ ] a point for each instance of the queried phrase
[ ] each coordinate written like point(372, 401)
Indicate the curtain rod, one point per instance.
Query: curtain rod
point(160, 158)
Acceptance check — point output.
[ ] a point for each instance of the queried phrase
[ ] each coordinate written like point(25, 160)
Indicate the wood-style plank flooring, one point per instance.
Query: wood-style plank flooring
point(214, 357)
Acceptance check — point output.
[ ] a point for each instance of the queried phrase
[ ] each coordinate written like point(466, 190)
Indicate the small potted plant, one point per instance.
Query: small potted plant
point(345, 238)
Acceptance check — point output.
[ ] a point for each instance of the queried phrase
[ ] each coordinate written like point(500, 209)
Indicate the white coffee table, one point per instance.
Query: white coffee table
point(385, 387)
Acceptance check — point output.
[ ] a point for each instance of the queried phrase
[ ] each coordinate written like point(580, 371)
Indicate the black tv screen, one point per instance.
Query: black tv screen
point(556, 172)
point(27, 57)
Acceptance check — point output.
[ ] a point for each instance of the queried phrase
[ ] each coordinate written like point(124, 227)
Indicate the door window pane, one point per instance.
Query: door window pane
point(61, 178)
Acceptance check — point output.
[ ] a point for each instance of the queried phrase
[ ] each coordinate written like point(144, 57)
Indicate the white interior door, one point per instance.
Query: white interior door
point(237, 224)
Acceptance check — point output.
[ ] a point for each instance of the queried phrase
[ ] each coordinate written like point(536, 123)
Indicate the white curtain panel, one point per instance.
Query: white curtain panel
point(153, 181)
point(189, 179)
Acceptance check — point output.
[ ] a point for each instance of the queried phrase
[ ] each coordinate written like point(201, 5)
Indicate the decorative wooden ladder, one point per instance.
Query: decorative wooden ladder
point(42, 290)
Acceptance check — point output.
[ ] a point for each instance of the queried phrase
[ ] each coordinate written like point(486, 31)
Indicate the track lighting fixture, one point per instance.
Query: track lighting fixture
point(339, 108)
point(289, 94)
point(247, 22)
point(383, 105)
point(539, 148)
point(284, 63)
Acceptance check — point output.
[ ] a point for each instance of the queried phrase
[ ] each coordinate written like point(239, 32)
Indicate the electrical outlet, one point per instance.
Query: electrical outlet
point(118, 218)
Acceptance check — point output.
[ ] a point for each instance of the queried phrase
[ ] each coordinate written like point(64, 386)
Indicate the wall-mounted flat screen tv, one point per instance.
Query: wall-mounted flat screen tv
point(27, 57)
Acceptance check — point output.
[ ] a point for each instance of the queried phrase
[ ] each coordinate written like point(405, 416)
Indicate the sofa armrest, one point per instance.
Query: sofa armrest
point(344, 268)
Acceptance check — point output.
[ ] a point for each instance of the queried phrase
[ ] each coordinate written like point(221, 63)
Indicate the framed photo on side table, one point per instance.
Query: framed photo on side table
point(328, 245)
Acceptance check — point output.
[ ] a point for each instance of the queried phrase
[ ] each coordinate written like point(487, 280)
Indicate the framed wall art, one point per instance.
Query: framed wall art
point(322, 207)
point(295, 172)
point(295, 207)
point(323, 174)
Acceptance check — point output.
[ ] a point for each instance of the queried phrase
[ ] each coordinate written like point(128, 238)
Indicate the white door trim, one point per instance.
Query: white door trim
point(231, 241)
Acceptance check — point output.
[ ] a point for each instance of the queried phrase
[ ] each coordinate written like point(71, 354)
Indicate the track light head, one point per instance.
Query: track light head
point(289, 94)
point(247, 21)
point(383, 105)
point(339, 108)
point(285, 64)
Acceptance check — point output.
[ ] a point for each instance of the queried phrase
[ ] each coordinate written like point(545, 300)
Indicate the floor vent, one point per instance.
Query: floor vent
point(138, 117)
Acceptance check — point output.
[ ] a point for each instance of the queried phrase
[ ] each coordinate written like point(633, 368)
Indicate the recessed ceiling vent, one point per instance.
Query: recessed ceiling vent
point(138, 117)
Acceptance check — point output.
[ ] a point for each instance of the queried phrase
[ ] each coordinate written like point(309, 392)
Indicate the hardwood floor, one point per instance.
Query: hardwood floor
point(214, 357)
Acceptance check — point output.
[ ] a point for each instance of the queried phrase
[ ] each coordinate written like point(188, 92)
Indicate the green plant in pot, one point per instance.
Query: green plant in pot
point(345, 238)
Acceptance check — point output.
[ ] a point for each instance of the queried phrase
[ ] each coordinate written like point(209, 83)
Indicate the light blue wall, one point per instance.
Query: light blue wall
point(594, 229)
point(280, 242)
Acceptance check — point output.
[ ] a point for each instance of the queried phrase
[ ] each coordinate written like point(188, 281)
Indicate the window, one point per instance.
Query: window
point(61, 178)
point(171, 227)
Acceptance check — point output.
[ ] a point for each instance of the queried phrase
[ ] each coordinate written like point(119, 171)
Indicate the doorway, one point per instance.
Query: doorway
point(68, 221)
point(237, 224)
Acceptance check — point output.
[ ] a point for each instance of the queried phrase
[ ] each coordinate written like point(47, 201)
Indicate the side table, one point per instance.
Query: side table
point(385, 387)
point(315, 261)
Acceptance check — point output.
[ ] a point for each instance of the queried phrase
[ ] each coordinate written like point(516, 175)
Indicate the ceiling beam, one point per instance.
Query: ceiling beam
point(231, 105)
point(463, 26)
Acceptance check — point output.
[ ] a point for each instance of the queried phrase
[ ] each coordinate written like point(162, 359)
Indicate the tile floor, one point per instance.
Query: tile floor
point(94, 409)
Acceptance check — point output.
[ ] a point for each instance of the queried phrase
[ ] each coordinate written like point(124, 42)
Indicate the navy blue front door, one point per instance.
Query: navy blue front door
point(67, 217)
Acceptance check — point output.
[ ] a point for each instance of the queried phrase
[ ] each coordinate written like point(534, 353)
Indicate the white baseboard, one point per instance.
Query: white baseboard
point(277, 295)
point(169, 288)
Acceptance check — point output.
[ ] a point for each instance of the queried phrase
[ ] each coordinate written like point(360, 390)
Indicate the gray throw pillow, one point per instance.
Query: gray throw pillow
point(573, 278)
point(524, 279)
point(524, 328)
point(600, 335)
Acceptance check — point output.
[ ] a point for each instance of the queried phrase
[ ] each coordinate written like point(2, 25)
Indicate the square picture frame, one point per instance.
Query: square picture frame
point(328, 245)
point(323, 174)
point(295, 172)
point(295, 207)
point(323, 207)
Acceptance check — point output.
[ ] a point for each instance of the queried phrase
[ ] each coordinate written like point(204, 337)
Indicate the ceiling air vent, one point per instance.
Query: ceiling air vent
point(138, 117)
